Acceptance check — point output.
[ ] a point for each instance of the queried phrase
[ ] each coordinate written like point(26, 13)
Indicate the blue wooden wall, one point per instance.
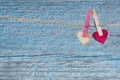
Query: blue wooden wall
point(41, 51)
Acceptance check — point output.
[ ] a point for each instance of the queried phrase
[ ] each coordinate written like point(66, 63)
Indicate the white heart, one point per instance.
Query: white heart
point(82, 39)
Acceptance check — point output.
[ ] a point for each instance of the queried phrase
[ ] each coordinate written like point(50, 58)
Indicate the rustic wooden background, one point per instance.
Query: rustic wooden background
point(40, 51)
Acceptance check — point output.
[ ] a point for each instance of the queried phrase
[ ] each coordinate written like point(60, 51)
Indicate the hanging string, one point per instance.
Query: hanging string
point(50, 22)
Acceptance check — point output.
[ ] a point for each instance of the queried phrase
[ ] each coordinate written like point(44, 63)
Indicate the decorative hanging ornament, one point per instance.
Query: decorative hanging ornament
point(85, 36)
point(100, 35)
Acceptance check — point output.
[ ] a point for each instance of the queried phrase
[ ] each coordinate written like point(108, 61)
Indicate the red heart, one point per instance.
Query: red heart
point(100, 39)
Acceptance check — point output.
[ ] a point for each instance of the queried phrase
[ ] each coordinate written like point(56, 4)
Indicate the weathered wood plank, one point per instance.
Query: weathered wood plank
point(40, 51)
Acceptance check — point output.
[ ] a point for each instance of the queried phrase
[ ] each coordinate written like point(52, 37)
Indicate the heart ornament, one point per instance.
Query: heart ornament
point(100, 39)
point(85, 36)
point(100, 35)
point(82, 39)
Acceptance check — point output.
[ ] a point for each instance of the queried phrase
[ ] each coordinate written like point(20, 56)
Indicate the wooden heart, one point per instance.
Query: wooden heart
point(82, 39)
point(100, 39)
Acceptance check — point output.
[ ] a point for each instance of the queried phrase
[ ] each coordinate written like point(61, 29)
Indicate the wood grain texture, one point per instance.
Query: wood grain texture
point(39, 51)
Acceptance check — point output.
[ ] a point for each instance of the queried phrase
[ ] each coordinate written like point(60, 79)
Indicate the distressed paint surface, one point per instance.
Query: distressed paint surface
point(40, 51)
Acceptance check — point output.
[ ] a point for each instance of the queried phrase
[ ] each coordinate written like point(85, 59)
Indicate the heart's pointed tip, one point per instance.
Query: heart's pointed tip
point(84, 43)
point(102, 42)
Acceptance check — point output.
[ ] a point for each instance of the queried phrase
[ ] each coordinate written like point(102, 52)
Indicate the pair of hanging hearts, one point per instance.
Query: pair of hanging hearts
point(100, 35)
